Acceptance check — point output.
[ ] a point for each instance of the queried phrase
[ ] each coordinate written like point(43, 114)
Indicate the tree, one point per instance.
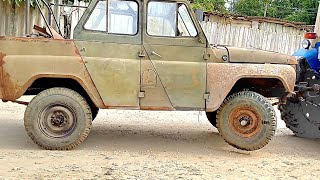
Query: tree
point(293, 10)
point(249, 7)
point(307, 13)
point(210, 5)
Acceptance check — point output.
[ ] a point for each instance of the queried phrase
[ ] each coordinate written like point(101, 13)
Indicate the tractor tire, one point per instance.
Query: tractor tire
point(246, 120)
point(58, 119)
point(301, 112)
point(301, 118)
point(212, 117)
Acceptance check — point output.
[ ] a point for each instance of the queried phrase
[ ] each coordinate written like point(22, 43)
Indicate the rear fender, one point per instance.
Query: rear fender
point(23, 60)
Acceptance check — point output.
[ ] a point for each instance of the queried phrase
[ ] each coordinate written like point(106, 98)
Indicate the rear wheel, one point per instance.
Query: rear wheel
point(246, 120)
point(58, 119)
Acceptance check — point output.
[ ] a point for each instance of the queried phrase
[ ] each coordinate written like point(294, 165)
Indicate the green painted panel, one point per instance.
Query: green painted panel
point(115, 71)
point(182, 71)
point(185, 83)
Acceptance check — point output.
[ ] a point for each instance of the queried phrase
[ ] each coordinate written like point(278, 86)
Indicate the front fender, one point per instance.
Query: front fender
point(223, 76)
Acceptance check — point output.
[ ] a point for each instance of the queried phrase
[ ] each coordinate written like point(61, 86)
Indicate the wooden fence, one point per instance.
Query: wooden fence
point(12, 19)
point(265, 36)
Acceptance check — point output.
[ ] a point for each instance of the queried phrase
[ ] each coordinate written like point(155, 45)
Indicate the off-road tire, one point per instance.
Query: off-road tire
point(250, 107)
point(212, 117)
point(297, 121)
point(65, 105)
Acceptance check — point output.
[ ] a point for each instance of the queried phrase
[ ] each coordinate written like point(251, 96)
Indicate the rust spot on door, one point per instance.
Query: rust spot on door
point(77, 54)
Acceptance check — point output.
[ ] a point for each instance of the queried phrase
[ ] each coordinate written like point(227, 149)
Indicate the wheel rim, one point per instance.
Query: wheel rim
point(57, 121)
point(245, 122)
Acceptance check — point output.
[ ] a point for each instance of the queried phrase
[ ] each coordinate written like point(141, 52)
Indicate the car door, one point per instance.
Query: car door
point(108, 37)
point(174, 69)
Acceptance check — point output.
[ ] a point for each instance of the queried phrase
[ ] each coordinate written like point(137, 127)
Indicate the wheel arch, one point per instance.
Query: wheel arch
point(46, 81)
point(266, 86)
point(228, 78)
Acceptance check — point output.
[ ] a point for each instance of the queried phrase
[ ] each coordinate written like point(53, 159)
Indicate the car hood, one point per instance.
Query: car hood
point(243, 55)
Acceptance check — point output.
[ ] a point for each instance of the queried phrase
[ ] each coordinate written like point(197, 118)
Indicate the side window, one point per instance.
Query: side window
point(169, 19)
point(97, 20)
point(122, 17)
point(162, 19)
point(185, 24)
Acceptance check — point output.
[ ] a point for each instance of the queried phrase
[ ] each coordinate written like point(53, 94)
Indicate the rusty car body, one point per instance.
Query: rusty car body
point(141, 70)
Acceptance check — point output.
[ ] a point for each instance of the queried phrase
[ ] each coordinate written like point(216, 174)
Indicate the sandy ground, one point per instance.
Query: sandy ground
point(152, 145)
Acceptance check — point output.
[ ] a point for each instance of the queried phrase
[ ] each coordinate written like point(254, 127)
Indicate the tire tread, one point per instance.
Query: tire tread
point(66, 92)
point(262, 100)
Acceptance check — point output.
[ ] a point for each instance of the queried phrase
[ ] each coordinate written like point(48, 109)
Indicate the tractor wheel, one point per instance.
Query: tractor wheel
point(58, 119)
point(246, 120)
point(302, 118)
point(301, 112)
point(212, 117)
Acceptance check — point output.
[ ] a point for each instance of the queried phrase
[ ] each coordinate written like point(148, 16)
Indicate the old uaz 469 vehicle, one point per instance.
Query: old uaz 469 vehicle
point(147, 55)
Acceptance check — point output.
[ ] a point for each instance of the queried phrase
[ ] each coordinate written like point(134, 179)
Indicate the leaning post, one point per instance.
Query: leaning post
point(27, 17)
point(317, 25)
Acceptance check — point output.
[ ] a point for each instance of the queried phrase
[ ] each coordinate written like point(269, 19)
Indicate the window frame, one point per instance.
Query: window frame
point(107, 19)
point(177, 20)
point(194, 25)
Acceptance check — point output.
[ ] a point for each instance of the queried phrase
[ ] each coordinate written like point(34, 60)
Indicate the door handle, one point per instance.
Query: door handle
point(156, 54)
point(83, 49)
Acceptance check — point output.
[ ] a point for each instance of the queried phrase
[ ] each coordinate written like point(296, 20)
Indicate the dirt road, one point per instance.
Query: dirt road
point(149, 145)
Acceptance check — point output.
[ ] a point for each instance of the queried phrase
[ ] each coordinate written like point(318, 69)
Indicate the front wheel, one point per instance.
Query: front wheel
point(246, 120)
point(212, 117)
point(58, 119)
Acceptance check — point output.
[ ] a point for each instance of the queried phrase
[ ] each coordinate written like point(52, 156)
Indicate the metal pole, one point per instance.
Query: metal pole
point(27, 16)
point(317, 25)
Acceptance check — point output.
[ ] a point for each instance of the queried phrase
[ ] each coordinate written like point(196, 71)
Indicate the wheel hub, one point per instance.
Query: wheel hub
point(245, 121)
point(57, 121)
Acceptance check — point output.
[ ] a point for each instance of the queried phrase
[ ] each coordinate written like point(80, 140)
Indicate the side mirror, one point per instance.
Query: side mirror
point(199, 14)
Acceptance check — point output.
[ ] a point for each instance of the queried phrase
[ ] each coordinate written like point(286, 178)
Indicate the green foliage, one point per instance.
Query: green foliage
point(21, 2)
point(17, 2)
point(307, 13)
point(249, 7)
point(210, 5)
point(293, 10)
point(32, 2)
